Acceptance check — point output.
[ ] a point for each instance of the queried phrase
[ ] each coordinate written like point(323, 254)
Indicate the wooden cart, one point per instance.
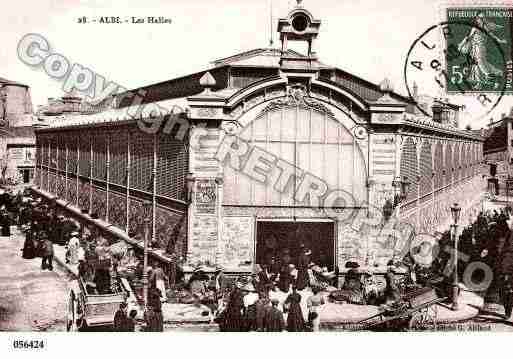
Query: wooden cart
point(418, 310)
point(87, 310)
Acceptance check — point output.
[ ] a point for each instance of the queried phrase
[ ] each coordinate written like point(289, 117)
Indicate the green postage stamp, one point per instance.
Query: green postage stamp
point(479, 48)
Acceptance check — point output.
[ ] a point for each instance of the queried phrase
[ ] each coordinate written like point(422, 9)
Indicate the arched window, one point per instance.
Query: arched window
point(438, 166)
point(426, 169)
point(312, 141)
point(448, 165)
point(456, 162)
point(464, 160)
point(409, 168)
point(472, 155)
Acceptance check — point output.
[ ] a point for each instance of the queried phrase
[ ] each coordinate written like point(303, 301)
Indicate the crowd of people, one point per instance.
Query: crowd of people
point(100, 262)
point(268, 300)
point(490, 240)
point(286, 292)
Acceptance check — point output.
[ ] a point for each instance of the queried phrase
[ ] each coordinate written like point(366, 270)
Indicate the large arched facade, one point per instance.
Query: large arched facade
point(312, 151)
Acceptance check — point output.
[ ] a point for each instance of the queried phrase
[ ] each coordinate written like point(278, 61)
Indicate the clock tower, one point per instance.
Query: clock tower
point(299, 25)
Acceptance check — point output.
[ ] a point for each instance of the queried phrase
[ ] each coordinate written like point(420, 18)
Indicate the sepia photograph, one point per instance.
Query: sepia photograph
point(255, 166)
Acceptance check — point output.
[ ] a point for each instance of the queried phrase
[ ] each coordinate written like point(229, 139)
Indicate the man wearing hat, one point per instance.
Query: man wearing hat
point(59, 236)
point(121, 318)
point(46, 252)
point(249, 299)
point(391, 290)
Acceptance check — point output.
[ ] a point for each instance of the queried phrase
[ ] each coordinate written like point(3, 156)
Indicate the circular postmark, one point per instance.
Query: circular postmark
point(453, 66)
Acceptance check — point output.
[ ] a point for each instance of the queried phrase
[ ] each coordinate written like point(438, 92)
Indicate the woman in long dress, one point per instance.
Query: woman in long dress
point(250, 297)
point(29, 247)
point(73, 246)
point(233, 315)
point(5, 222)
point(295, 319)
point(285, 279)
point(480, 70)
point(303, 279)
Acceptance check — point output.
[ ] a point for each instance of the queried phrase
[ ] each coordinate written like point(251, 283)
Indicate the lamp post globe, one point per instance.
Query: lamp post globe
point(455, 213)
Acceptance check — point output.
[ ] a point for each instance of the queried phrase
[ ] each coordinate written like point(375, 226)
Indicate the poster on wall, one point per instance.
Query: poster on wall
point(205, 197)
point(237, 242)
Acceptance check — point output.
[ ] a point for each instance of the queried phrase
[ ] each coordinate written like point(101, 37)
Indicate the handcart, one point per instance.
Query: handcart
point(416, 310)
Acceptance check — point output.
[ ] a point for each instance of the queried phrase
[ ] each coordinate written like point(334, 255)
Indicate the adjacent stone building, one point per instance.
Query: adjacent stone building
point(498, 146)
point(17, 139)
point(266, 150)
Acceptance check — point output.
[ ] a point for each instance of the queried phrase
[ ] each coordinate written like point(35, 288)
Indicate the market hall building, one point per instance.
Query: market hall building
point(324, 124)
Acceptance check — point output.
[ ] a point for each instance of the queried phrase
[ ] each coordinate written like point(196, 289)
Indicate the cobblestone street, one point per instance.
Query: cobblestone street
point(30, 299)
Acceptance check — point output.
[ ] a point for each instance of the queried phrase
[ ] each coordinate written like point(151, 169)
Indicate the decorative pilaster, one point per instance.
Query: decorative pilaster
point(66, 170)
point(78, 170)
point(397, 170)
point(48, 167)
point(220, 182)
point(127, 174)
point(41, 166)
point(107, 179)
point(90, 174)
point(154, 185)
point(370, 166)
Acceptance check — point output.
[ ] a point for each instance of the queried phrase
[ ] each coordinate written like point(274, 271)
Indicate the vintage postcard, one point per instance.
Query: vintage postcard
point(255, 166)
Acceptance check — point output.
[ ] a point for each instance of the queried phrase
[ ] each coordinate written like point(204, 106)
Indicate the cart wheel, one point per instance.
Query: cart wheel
point(422, 320)
point(70, 313)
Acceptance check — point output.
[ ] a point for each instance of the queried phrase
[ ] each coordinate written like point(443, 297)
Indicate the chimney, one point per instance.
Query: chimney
point(436, 109)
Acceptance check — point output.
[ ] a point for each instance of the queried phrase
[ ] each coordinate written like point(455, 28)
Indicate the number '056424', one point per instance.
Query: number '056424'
point(28, 344)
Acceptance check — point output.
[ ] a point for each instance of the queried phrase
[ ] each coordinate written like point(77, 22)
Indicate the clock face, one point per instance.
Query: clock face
point(300, 22)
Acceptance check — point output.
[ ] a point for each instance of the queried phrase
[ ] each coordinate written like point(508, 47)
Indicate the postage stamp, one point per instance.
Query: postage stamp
point(467, 56)
point(479, 48)
point(436, 68)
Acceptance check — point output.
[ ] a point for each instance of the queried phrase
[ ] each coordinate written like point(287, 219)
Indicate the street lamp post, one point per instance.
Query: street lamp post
point(147, 205)
point(455, 212)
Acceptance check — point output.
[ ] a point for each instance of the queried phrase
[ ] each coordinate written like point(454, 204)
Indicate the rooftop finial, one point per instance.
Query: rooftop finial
point(299, 3)
point(207, 81)
point(386, 85)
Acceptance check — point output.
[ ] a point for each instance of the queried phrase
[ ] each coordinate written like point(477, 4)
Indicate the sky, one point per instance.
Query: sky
point(367, 38)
